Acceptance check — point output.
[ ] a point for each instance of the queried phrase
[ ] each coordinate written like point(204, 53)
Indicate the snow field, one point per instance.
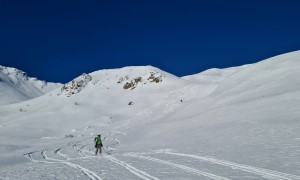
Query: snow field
point(234, 123)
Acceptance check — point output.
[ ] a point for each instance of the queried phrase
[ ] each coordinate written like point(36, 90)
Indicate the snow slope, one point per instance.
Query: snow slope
point(16, 86)
point(234, 123)
point(215, 75)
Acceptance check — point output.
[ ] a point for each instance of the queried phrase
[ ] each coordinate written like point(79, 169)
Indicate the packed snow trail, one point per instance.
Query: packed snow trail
point(135, 171)
point(182, 167)
point(61, 154)
point(80, 152)
point(269, 174)
point(132, 169)
point(90, 174)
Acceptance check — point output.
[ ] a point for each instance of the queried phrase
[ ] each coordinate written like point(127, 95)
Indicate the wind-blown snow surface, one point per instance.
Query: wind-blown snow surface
point(16, 86)
point(234, 123)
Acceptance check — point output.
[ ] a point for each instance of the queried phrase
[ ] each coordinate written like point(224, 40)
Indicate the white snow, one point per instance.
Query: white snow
point(233, 123)
point(16, 86)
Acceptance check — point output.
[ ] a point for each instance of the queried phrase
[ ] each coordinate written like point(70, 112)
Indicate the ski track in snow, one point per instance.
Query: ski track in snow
point(141, 174)
point(135, 171)
point(269, 174)
point(117, 142)
point(132, 169)
point(182, 167)
point(61, 154)
point(78, 150)
point(92, 175)
point(83, 153)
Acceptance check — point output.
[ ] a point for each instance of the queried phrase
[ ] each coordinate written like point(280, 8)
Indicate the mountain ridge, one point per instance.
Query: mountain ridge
point(16, 86)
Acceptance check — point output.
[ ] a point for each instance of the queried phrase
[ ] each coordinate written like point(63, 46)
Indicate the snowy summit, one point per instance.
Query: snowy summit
point(16, 86)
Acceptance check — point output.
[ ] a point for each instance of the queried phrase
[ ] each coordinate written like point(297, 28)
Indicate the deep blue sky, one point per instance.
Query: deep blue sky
point(57, 40)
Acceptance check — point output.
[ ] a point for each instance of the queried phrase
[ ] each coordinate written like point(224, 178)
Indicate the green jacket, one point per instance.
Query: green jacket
point(98, 141)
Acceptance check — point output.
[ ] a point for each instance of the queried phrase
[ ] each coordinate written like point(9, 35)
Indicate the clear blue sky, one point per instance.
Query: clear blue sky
point(57, 40)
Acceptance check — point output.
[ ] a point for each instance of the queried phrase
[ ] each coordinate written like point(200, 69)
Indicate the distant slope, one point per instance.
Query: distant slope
point(16, 86)
point(214, 75)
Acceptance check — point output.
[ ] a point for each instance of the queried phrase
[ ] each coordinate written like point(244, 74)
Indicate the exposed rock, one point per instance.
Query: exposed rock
point(155, 77)
point(130, 103)
point(76, 85)
point(128, 85)
point(133, 83)
point(69, 136)
point(138, 79)
point(152, 77)
point(120, 80)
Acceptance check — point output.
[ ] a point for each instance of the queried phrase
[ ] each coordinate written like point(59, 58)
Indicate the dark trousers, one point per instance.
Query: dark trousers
point(98, 149)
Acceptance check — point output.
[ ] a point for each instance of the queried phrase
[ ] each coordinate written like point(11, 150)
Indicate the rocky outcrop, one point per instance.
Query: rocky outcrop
point(155, 77)
point(133, 83)
point(76, 85)
point(152, 77)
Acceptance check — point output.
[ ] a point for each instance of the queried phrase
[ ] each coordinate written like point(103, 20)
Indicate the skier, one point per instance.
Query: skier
point(98, 144)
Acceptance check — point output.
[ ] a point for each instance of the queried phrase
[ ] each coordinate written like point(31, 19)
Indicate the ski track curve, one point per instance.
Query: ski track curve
point(132, 169)
point(90, 174)
point(81, 152)
point(112, 135)
point(269, 174)
point(139, 173)
point(182, 167)
point(57, 151)
point(77, 149)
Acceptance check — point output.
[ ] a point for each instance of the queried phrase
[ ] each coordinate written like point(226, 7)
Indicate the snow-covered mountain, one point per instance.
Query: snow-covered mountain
point(215, 75)
point(234, 123)
point(16, 86)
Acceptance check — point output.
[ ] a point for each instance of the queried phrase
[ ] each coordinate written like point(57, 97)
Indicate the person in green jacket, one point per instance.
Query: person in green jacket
point(98, 144)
